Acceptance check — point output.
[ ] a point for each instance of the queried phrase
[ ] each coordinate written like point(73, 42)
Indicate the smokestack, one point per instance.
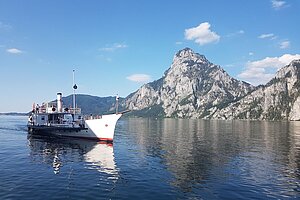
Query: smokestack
point(59, 102)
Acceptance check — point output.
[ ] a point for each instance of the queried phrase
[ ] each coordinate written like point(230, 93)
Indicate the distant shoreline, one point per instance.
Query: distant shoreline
point(14, 114)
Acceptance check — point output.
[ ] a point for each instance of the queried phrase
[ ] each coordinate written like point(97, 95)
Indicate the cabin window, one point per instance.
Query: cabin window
point(43, 118)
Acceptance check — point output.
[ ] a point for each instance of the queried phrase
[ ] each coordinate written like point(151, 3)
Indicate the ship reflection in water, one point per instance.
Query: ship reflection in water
point(61, 152)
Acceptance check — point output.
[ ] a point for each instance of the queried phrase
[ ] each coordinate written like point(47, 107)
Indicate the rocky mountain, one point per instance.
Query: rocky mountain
point(278, 99)
point(192, 87)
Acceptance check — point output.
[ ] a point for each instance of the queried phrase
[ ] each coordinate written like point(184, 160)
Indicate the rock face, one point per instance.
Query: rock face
point(278, 99)
point(192, 87)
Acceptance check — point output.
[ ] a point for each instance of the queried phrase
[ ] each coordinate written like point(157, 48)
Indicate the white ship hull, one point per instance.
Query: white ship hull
point(102, 128)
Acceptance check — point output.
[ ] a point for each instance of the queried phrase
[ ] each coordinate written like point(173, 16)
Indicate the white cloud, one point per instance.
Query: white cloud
point(142, 78)
point(201, 34)
point(278, 4)
point(256, 76)
point(251, 53)
point(178, 43)
point(270, 36)
point(113, 47)
point(285, 44)
point(240, 32)
point(261, 71)
point(14, 51)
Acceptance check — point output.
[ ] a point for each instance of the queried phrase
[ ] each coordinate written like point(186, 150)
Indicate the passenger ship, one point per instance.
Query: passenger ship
point(54, 119)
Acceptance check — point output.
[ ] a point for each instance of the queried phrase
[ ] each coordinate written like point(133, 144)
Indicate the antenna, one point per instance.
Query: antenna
point(117, 103)
point(74, 88)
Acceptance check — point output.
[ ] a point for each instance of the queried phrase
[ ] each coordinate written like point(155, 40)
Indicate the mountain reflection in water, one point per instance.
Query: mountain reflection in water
point(154, 159)
point(236, 157)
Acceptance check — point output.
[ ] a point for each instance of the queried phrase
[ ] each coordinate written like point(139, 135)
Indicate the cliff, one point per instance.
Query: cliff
point(193, 87)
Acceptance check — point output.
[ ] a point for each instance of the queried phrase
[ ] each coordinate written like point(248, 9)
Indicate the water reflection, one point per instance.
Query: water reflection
point(237, 157)
point(59, 152)
point(101, 157)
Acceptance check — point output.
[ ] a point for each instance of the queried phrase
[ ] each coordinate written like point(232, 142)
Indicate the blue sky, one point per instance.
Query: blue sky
point(117, 46)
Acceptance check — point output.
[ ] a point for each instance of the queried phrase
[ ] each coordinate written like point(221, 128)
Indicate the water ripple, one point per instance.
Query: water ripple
point(154, 159)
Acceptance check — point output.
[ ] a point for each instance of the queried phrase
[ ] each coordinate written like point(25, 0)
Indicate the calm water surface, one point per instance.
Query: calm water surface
point(154, 159)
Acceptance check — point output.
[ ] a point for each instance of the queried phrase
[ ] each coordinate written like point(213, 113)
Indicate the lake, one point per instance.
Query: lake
point(154, 159)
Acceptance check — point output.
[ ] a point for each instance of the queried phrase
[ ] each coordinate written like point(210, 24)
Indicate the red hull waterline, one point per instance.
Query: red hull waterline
point(109, 140)
point(105, 140)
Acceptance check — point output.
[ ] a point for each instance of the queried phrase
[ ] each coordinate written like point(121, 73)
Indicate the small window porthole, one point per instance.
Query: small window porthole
point(43, 118)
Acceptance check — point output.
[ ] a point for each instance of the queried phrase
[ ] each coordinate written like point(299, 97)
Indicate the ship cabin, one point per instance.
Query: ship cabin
point(53, 114)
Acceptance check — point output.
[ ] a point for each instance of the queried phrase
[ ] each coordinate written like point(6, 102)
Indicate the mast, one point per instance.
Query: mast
point(74, 88)
point(117, 103)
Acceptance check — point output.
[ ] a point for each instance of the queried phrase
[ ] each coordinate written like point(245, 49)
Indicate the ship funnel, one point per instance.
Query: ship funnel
point(59, 102)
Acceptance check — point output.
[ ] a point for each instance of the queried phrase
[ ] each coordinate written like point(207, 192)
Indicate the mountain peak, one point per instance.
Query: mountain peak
point(192, 87)
point(188, 53)
point(295, 62)
point(186, 60)
point(291, 71)
point(184, 51)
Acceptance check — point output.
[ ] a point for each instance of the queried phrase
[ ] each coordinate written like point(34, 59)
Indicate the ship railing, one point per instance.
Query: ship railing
point(75, 110)
point(45, 107)
point(87, 117)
